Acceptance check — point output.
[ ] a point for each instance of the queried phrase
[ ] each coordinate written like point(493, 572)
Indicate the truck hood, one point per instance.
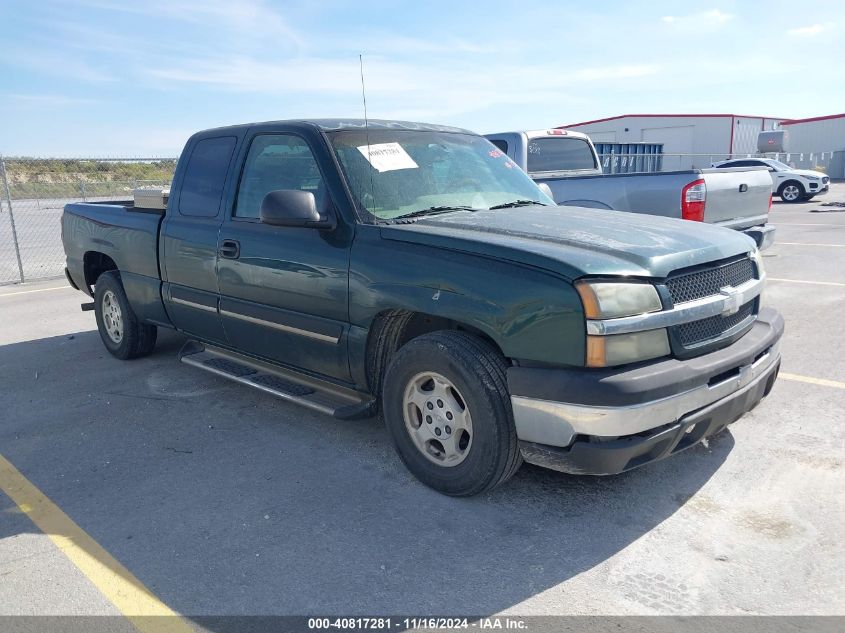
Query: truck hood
point(576, 241)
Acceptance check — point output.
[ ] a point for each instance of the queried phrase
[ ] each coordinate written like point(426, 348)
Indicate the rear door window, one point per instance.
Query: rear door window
point(559, 154)
point(205, 176)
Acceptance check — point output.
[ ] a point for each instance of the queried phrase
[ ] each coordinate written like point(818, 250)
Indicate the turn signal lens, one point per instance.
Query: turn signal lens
point(620, 349)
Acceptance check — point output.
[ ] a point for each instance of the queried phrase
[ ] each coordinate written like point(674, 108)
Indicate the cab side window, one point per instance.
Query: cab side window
point(277, 161)
point(205, 175)
point(501, 145)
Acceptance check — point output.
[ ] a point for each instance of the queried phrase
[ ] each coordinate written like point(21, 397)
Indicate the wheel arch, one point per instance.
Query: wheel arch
point(392, 328)
point(791, 181)
point(94, 264)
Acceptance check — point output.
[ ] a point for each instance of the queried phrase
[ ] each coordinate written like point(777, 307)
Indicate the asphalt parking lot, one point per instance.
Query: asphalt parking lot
point(219, 500)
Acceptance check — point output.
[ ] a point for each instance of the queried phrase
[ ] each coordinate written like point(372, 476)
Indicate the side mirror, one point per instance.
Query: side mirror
point(292, 208)
point(546, 190)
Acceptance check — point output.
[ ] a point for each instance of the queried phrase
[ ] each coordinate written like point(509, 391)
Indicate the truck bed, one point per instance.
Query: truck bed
point(659, 193)
point(126, 234)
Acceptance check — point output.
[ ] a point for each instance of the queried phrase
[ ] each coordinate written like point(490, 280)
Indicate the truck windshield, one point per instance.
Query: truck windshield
point(398, 173)
point(559, 153)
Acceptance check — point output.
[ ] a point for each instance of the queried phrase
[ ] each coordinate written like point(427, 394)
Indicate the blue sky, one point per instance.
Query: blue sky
point(111, 78)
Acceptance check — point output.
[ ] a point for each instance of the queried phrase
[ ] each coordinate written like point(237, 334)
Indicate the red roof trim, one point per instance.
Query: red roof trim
point(814, 118)
point(625, 116)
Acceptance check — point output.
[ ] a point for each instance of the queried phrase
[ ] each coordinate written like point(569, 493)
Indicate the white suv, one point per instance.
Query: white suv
point(792, 185)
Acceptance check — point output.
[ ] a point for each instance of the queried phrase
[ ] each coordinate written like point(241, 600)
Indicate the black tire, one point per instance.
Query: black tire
point(791, 191)
point(382, 346)
point(478, 372)
point(808, 197)
point(135, 339)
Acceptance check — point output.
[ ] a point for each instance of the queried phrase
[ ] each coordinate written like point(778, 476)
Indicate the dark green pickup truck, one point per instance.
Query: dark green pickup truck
point(415, 271)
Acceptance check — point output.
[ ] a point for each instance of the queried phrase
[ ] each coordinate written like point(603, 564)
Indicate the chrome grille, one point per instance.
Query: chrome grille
point(706, 283)
point(713, 327)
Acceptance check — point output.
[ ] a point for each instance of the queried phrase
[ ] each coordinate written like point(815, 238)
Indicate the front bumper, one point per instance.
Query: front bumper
point(819, 189)
point(609, 421)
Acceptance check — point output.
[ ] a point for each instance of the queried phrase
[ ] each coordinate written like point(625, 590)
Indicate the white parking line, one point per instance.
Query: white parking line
point(779, 224)
point(26, 292)
point(812, 244)
point(802, 281)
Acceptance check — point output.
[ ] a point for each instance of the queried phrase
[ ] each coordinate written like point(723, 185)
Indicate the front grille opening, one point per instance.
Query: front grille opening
point(725, 375)
point(693, 285)
point(697, 332)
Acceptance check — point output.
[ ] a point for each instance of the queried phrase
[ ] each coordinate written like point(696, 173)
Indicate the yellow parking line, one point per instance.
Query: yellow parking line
point(813, 381)
point(113, 580)
point(803, 281)
point(26, 292)
point(805, 244)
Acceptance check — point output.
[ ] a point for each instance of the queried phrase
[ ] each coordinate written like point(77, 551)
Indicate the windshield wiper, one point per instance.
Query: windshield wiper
point(433, 211)
point(517, 203)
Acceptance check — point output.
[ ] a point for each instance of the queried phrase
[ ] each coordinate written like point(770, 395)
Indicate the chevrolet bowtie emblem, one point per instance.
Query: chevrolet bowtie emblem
point(732, 300)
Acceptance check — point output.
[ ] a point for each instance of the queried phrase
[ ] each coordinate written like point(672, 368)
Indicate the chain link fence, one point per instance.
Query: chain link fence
point(830, 163)
point(33, 192)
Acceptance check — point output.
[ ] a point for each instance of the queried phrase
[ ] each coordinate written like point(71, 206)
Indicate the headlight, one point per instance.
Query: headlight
point(615, 299)
point(619, 349)
point(611, 299)
point(757, 256)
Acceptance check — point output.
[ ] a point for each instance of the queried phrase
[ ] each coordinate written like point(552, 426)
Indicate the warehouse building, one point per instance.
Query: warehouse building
point(818, 141)
point(689, 140)
point(816, 134)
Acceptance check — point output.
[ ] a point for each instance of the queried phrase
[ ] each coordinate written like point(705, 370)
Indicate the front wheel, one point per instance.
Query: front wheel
point(124, 336)
point(791, 192)
point(447, 408)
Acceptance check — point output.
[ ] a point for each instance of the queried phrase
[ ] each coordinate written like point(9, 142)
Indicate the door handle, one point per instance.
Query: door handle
point(229, 249)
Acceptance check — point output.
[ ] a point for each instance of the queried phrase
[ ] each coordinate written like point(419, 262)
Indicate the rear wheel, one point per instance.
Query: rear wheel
point(447, 408)
point(124, 336)
point(791, 191)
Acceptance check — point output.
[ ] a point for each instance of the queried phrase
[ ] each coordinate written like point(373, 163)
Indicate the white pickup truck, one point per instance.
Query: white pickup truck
point(567, 163)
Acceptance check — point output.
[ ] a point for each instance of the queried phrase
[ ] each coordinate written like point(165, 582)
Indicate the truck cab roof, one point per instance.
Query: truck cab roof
point(531, 134)
point(333, 125)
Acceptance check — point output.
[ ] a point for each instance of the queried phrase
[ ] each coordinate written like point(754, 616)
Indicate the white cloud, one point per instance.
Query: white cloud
point(55, 63)
point(434, 89)
point(49, 100)
point(810, 31)
point(713, 17)
point(247, 20)
point(601, 73)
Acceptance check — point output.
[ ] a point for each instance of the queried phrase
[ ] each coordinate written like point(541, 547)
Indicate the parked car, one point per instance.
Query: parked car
point(792, 185)
point(415, 271)
point(568, 164)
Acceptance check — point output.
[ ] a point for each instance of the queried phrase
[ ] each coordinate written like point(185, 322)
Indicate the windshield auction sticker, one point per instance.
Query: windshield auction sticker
point(387, 156)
